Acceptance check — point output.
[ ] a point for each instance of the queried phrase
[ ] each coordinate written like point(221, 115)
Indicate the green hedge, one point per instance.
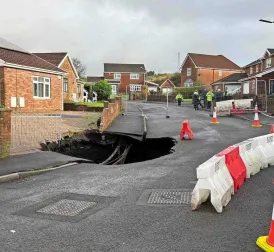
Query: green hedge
point(187, 92)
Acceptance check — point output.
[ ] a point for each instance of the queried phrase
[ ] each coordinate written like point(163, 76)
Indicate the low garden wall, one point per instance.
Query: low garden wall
point(110, 112)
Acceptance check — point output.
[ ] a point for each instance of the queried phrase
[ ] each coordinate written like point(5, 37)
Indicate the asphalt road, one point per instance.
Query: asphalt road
point(122, 225)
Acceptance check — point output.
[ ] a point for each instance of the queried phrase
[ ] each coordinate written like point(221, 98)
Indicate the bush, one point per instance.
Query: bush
point(103, 90)
point(2, 106)
point(87, 87)
point(187, 92)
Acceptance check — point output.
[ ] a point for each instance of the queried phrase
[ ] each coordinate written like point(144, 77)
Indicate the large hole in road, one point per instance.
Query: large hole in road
point(111, 149)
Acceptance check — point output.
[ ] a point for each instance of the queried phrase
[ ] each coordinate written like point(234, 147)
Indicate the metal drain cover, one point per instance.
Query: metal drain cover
point(67, 207)
point(168, 197)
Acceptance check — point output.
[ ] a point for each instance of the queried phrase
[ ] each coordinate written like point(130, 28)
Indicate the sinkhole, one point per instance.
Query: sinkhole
point(111, 149)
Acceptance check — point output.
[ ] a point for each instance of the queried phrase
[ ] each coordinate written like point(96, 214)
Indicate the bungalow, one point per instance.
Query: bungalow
point(152, 87)
point(230, 82)
point(72, 89)
point(260, 75)
point(28, 82)
point(167, 86)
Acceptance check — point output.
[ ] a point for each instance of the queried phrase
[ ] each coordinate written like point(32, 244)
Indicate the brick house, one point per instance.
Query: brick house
point(206, 69)
point(167, 86)
point(27, 82)
point(125, 76)
point(94, 79)
point(260, 75)
point(72, 89)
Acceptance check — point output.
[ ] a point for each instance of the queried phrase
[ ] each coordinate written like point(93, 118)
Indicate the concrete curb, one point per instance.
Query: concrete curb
point(21, 175)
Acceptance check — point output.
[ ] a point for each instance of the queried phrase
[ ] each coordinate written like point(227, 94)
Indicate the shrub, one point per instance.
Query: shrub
point(2, 106)
point(187, 92)
point(103, 90)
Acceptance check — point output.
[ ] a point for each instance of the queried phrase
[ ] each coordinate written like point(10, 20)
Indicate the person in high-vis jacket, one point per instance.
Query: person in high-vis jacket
point(209, 98)
point(179, 98)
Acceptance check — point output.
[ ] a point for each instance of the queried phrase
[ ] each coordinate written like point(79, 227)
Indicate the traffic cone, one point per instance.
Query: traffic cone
point(271, 128)
point(256, 123)
point(214, 118)
point(266, 243)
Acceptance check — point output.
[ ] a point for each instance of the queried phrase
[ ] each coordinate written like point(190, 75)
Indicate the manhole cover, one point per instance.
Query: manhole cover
point(67, 207)
point(169, 197)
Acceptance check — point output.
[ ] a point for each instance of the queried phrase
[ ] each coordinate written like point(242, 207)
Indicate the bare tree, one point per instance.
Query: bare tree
point(80, 68)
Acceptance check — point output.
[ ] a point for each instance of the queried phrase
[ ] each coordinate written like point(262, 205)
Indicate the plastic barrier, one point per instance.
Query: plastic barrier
point(271, 128)
point(186, 129)
point(235, 165)
point(265, 148)
point(227, 105)
point(252, 160)
point(214, 180)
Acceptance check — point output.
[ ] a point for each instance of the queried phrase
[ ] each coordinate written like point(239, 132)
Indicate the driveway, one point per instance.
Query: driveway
point(40, 214)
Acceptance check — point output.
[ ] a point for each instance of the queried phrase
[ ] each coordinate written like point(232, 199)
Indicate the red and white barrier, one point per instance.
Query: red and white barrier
point(225, 173)
point(215, 181)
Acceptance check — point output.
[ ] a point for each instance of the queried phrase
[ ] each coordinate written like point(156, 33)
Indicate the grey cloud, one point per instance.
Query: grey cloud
point(143, 31)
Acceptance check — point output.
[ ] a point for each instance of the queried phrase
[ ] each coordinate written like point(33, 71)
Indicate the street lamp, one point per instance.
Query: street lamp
point(266, 21)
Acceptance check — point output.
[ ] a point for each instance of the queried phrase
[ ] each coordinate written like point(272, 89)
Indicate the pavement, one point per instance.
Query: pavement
point(118, 223)
point(38, 160)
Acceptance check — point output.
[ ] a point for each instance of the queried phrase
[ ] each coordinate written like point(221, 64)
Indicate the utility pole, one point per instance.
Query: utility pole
point(179, 62)
point(167, 116)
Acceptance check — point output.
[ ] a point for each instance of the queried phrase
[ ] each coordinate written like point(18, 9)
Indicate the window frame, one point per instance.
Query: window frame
point(257, 68)
point(268, 63)
point(79, 89)
point(44, 83)
point(119, 76)
point(65, 90)
point(135, 88)
point(251, 70)
point(137, 76)
point(220, 72)
point(188, 71)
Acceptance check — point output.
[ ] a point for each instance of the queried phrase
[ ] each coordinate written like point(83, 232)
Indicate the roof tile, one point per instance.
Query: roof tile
point(123, 68)
point(53, 58)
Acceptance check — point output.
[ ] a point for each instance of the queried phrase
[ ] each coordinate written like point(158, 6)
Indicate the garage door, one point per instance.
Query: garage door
point(246, 88)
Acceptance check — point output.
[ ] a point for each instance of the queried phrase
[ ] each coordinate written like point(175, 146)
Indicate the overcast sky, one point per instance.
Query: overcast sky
point(140, 31)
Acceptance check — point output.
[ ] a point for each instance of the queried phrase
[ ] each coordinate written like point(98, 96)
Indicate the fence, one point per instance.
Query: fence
point(161, 98)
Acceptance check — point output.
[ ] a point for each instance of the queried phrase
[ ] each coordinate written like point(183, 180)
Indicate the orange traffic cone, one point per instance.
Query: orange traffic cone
point(256, 123)
point(266, 243)
point(214, 118)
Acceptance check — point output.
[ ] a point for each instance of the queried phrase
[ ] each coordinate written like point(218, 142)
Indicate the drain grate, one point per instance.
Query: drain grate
point(165, 197)
point(67, 207)
point(169, 197)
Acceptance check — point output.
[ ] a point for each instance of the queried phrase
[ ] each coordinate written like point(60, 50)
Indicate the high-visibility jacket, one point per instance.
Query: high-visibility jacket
point(179, 96)
point(209, 96)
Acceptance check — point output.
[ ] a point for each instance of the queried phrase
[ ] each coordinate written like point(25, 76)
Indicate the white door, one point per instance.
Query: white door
point(246, 88)
point(114, 89)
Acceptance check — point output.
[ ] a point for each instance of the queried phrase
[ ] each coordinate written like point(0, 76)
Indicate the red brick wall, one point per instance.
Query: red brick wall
point(1, 85)
point(188, 64)
point(208, 76)
point(72, 80)
point(19, 83)
point(125, 80)
point(110, 112)
point(5, 132)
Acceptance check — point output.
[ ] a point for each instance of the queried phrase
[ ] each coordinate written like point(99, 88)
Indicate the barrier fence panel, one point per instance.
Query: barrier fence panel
point(29, 130)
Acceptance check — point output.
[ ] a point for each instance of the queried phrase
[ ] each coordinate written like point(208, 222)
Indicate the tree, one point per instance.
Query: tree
point(103, 90)
point(150, 73)
point(80, 68)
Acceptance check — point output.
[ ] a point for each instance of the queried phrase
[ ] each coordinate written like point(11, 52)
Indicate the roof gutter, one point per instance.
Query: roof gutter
point(6, 64)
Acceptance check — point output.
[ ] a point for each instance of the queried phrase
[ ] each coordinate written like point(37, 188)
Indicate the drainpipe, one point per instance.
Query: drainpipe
point(256, 88)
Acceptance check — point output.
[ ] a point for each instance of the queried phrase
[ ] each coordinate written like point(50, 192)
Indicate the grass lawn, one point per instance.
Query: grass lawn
point(98, 104)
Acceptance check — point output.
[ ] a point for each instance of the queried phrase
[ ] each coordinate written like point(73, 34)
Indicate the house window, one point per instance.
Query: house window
point(135, 88)
point(41, 87)
point(134, 76)
point(65, 85)
point(188, 73)
point(117, 76)
point(220, 73)
point(268, 63)
point(78, 89)
point(114, 89)
point(251, 70)
point(257, 68)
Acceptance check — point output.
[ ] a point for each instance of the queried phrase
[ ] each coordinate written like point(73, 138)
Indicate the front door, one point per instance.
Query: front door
point(271, 86)
point(114, 89)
